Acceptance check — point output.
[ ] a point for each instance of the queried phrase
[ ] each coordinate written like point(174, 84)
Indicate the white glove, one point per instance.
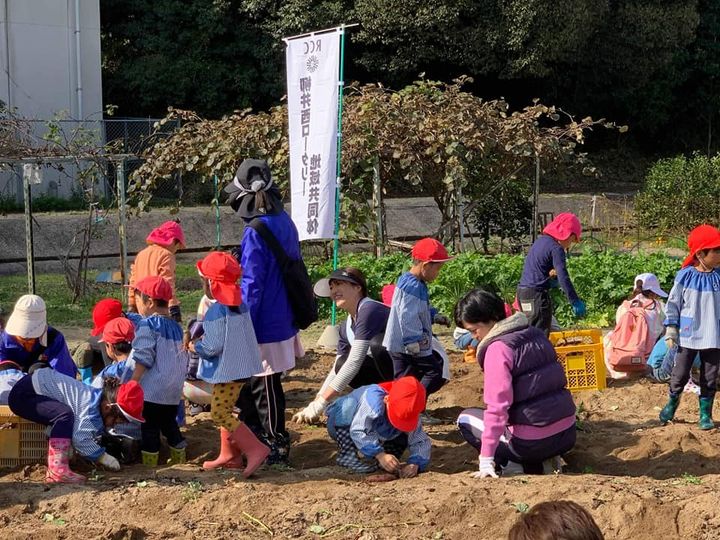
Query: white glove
point(487, 468)
point(312, 412)
point(413, 348)
point(109, 462)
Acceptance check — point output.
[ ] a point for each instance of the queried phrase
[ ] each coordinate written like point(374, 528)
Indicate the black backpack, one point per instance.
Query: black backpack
point(295, 277)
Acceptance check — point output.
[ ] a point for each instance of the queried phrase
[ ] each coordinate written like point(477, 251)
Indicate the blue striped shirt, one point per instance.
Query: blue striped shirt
point(228, 349)
point(410, 320)
point(363, 411)
point(85, 404)
point(158, 346)
point(693, 306)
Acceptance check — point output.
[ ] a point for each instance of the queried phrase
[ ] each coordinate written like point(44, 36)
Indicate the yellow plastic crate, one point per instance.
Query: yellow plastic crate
point(581, 354)
point(21, 442)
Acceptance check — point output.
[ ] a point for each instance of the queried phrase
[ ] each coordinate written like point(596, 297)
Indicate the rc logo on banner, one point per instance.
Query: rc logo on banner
point(312, 78)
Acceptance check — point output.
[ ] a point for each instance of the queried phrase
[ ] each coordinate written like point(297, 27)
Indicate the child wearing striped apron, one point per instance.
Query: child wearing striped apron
point(229, 356)
point(160, 366)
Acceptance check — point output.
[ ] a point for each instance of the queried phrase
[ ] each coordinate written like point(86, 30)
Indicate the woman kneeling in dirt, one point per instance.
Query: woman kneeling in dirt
point(361, 358)
point(530, 415)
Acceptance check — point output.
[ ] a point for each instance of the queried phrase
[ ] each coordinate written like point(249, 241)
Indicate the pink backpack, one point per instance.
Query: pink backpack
point(631, 342)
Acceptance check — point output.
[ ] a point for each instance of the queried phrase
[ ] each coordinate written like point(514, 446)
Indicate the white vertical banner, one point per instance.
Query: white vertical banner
point(313, 63)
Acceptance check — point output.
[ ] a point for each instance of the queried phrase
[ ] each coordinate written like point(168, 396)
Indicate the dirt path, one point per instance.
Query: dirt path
point(639, 480)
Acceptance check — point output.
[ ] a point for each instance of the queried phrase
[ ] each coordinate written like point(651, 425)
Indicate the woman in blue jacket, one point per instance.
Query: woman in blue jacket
point(254, 196)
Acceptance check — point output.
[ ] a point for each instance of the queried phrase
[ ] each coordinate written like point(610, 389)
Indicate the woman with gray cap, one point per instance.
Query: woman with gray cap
point(256, 199)
point(361, 358)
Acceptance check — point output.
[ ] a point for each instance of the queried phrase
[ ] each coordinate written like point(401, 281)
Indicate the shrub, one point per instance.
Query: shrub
point(680, 193)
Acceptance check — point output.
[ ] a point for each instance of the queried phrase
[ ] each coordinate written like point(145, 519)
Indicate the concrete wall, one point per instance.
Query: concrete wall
point(39, 70)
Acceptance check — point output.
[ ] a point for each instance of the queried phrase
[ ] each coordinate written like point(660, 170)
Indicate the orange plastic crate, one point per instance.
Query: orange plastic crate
point(581, 354)
point(21, 442)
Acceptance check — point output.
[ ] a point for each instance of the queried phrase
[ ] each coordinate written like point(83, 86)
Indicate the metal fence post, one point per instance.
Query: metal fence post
point(536, 199)
point(120, 178)
point(378, 208)
point(29, 245)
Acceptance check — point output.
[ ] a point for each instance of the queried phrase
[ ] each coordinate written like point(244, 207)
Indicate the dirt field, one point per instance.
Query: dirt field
point(639, 480)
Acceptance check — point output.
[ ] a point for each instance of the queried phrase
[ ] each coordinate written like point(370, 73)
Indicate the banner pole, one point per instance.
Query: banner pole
point(341, 84)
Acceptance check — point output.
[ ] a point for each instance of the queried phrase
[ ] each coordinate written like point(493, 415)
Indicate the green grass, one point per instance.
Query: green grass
point(58, 297)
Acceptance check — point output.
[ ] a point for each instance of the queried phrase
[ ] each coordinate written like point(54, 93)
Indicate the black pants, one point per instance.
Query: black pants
point(160, 419)
point(376, 368)
point(538, 307)
point(709, 362)
point(262, 406)
point(426, 369)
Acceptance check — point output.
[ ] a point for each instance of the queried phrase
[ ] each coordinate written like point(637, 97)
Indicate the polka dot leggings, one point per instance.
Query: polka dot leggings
point(224, 396)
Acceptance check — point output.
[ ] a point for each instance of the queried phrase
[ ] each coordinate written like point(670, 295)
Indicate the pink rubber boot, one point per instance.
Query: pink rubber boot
point(229, 457)
point(254, 451)
point(58, 470)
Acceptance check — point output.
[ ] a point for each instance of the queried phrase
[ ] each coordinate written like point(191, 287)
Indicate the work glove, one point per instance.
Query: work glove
point(412, 349)
point(671, 336)
point(441, 319)
point(579, 309)
point(311, 413)
point(175, 314)
point(486, 469)
point(109, 462)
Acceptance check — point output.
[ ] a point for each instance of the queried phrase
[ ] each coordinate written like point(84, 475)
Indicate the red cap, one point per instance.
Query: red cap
point(387, 294)
point(429, 250)
point(563, 226)
point(406, 400)
point(223, 272)
point(155, 287)
point(130, 398)
point(105, 311)
point(700, 238)
point(166, 234)
point(119, 330)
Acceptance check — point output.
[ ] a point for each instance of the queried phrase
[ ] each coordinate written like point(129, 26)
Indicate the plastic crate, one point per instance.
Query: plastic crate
point(581, 354)
point(21, 442)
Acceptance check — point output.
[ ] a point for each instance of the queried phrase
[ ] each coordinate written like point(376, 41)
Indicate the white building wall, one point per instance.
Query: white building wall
point(38, 70)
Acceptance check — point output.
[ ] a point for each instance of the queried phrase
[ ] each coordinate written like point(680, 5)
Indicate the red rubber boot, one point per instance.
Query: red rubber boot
point(58, 470)
point(254, 451)
point(229, 458)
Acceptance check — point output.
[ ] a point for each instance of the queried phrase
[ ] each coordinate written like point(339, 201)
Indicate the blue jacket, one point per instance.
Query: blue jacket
point(56, 353)
point(263, 290)
point(693, 306)
point(410, 320)
point(545, 254)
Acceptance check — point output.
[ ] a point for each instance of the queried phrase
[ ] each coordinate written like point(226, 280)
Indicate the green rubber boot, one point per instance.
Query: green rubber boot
point(668, 411)
point(177, 456)
point(150, 459)
point(706, 406)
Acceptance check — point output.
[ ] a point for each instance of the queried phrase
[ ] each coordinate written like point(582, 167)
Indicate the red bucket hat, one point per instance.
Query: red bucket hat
point(387, 294)
point(119, 330)
point(563, 226)
point(155, 287)
point(429, 250)
point(406, 400)
point(166, 234)
point(130, 398)
point(223, 272)
point(700, 238)
point(105, 311)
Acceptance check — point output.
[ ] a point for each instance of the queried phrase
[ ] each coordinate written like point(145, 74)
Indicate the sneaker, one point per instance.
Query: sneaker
point(512, 469)
point(196, 409)
point(428, 420)
point(554, 465)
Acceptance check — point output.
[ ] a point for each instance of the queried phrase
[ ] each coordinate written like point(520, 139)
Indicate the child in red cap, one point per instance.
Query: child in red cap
point(158, 259)
point(229, 356)
point(160, 366)
point(692, 314)
point(408, 336)
point(545, 266)
point(85, 355)
point(77, 415)
point(375, 424)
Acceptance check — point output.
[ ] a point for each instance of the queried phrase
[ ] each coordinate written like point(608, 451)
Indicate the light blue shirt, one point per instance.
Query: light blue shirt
point(228, 350)
point(158, 346)
point(410, 320)
point(693, 306)
point(363, 411)
point(85, 404)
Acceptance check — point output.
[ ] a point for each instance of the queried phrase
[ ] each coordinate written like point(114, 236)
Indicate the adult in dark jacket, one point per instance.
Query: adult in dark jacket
point(530, 415)
point(254, 196)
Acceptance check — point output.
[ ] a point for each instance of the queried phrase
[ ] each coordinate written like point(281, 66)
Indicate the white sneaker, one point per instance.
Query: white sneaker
point(692, 388)
point(512, 469)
